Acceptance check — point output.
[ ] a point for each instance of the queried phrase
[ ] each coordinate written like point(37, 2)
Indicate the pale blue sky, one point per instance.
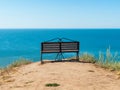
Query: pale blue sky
point(59, 13)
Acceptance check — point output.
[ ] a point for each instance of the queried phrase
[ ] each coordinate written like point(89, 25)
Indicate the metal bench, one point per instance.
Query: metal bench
point(60, 47)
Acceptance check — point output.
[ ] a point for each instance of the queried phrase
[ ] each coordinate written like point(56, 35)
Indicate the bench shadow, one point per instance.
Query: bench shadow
point(59, 61)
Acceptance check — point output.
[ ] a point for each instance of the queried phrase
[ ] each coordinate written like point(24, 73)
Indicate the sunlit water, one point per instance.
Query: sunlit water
point(26, 43)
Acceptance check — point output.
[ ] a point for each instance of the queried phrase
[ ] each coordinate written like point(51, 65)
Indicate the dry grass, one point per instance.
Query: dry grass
point(19, 62)
point(108, 61)
point(5, 72)
point(14, 65)
point(88, 58)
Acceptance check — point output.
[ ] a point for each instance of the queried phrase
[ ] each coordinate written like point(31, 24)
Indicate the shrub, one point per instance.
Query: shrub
point(52, 85)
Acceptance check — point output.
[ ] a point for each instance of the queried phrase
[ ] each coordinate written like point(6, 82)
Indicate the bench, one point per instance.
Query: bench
point(60, 47)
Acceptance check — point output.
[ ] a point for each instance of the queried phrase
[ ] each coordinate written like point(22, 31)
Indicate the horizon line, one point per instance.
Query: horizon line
point(60, 28)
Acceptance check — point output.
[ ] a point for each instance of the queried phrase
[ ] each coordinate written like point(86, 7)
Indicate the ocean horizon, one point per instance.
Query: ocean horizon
point(25, 43)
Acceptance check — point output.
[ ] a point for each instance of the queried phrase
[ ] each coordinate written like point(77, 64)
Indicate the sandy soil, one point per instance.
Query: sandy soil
point(70, 76)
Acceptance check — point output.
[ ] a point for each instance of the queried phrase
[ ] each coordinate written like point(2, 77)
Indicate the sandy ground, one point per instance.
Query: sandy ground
point(70, 76)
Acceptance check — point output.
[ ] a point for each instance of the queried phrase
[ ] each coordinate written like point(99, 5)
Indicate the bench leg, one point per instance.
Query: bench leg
point(77, 56)
point(41, 59)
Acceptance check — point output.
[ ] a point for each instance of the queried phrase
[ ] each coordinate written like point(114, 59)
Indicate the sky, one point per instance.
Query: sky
point(59, 13)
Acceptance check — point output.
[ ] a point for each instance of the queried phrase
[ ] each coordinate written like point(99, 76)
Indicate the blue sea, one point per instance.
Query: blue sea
point(25, 43)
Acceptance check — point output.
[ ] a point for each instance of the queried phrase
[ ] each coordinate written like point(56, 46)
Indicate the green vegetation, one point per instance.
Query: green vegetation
point(88, 58)
point(52, 85)
point(108, 61)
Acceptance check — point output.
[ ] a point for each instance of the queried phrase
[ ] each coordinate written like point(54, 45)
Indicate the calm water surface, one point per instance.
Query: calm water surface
point(26, 42)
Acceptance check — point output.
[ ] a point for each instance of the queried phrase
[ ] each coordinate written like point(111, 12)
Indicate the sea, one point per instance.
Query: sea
point(26, 43)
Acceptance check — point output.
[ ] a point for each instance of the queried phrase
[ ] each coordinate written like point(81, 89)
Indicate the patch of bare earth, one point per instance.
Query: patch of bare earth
point(69, 76)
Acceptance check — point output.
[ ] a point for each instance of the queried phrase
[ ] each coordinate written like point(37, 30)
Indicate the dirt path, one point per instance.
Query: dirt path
point(70, 76)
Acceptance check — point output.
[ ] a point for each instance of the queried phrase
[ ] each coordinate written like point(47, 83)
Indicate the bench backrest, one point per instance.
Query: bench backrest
point(56, 47)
